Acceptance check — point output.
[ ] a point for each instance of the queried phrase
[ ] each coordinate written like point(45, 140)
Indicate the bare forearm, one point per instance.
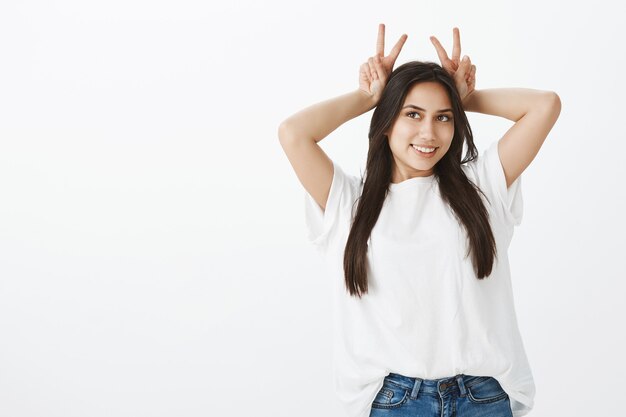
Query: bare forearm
point(319, 120)
point(510, 103)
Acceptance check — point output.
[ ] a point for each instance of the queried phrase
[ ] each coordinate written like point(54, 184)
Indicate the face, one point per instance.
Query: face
point(425, 120)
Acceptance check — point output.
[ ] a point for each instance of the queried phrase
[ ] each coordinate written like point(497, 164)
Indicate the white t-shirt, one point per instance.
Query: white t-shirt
point(426, 314)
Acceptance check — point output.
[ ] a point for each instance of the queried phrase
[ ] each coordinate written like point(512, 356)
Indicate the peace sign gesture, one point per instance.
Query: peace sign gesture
point(463, 72)
point(374, 73)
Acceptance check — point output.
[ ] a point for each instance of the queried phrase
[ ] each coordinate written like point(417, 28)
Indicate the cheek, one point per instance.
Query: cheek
point(401, 129)
point(400, 139)
point(446, 134)
point(447, 130)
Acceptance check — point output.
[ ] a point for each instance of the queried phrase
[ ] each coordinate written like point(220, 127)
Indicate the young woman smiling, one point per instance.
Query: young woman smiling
point(425, 323)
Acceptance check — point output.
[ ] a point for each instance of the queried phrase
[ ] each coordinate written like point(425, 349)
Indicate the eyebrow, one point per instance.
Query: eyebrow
point(419, 108)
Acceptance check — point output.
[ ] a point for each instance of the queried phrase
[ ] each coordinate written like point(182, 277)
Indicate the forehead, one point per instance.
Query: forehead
point(430, 95)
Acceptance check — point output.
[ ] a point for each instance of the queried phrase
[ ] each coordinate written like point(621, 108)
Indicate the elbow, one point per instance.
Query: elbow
point(553, 103)
point(550, 105)
point(284, 131)
point(289, 132)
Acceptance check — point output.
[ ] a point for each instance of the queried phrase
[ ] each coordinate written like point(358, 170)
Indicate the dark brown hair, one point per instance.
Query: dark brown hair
point(456, 189)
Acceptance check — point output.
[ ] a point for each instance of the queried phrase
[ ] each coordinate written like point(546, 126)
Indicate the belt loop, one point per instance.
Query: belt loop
point(416, 387)
point(459, 380)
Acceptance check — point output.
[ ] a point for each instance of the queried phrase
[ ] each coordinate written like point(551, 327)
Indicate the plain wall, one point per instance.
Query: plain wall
point(153, 253)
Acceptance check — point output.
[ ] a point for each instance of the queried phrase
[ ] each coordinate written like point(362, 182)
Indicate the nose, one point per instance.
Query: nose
point(426, 131)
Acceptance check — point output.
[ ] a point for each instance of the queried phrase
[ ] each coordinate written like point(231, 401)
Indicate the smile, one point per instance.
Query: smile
point(424, 152)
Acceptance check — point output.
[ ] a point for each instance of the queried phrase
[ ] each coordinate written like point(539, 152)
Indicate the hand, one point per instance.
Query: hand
point(463, 72)
point(374, 73)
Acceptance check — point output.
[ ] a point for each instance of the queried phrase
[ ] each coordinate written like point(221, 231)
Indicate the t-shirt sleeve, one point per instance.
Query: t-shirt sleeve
point(490, 178)
point(342, 195)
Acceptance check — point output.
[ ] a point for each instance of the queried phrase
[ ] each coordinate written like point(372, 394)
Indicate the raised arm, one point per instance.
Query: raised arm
point(533, 111)
point(319, 120)
point(300, 132)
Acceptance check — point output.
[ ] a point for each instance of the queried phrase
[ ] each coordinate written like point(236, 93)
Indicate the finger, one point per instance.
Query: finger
point(380, 43)
point(467, 67)
point(463, 70)
point(397, 48)
point(372, 68)
point(441, 53)
point(380, 70)
point(456, 48)
point(471, 73)
point(365, 73)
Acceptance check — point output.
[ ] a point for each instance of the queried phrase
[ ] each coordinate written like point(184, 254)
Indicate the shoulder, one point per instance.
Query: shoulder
point(487, 173)
point(340, 207)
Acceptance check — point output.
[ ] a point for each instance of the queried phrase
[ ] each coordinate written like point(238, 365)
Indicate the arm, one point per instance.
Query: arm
point(319, 120)
point(316, 122)
point(300, 132)
point(534, 112)
point(510, 103)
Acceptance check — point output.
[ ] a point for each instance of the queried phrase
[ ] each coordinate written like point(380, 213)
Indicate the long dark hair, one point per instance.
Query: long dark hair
point(456, 189)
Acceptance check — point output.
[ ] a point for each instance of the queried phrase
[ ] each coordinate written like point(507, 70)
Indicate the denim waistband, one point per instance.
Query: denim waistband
point(443, 386)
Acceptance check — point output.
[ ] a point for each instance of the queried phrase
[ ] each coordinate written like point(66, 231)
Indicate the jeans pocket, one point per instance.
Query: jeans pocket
point(486, 391)
point(391, 395)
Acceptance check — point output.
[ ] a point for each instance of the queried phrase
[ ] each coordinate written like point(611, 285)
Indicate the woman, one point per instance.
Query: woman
point(425, 323)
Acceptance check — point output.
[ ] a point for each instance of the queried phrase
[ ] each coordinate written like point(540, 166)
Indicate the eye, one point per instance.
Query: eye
point(447, 118)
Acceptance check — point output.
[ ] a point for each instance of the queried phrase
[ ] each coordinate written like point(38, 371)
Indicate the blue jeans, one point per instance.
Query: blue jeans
point(457, 396)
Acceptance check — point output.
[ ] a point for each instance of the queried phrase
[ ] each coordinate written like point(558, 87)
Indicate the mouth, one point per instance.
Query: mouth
point(423, 152)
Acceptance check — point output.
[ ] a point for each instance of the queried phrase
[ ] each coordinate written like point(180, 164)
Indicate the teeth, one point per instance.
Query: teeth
point(427, 150)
